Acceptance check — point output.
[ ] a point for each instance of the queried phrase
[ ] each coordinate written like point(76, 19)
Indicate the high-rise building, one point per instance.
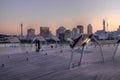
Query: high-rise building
point(75, 33)
point(60, 33)
point(30, 34)
point(81, 29)
point(68, 34)
point(89, 29)
point(45, 32)
point(60, 30)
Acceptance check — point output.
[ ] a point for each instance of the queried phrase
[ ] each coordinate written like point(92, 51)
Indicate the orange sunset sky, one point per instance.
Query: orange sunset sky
point(56, 13)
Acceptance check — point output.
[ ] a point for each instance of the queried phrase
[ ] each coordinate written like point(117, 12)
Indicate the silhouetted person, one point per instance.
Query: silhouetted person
point(37, 43)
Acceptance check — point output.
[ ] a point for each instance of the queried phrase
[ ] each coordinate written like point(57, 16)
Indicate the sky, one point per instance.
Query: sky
point(56, 13)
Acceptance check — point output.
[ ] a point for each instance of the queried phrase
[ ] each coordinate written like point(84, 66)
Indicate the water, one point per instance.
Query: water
point(13, 48)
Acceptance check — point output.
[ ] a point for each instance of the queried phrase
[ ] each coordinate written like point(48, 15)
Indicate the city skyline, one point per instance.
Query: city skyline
point(56, 13)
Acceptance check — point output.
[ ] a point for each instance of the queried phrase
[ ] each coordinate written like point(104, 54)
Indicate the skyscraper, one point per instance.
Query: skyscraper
point(44, 32)
point(60, 33)
point(31, 33)
point(89, 29)
point(75, 33)
point(60, 30)
point(81, 28)
point(68, 34)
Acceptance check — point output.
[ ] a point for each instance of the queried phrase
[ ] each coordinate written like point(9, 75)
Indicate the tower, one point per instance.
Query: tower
point(104, 25)
point(60, 33)
point(31, 33)
point(21, 29)
point(89, 29)
point(81, 29)
point(45, 32)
